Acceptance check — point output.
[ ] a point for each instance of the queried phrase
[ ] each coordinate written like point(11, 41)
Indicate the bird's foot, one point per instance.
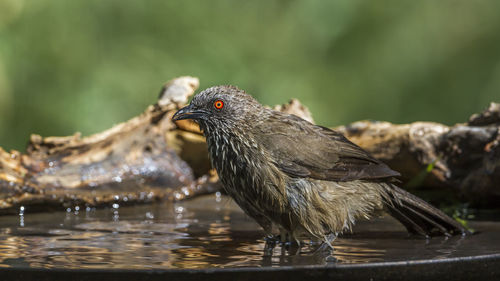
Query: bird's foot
point(291, 247)
point(331, 259)
point(328, 239)
point(271, 241)
point(287, 246)
point(327, 248)
point(323, 252)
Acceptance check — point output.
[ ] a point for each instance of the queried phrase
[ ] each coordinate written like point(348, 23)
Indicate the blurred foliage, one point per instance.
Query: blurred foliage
point(84, 65)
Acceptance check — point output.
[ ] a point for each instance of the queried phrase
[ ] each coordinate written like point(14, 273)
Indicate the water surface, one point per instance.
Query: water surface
point(209, 231)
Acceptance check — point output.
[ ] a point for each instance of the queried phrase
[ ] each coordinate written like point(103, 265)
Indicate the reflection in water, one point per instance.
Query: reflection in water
point(357, 252)
point(201, 233)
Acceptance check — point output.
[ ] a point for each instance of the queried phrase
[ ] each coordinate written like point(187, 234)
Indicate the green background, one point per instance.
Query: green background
point(84, 65)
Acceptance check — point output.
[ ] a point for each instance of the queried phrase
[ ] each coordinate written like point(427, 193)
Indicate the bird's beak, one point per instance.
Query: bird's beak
point(189, 113)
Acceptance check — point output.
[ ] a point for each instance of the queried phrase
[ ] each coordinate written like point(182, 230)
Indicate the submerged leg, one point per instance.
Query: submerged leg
point(295, 246)
point(289, 242)
point(270, 245)
point(328, 239)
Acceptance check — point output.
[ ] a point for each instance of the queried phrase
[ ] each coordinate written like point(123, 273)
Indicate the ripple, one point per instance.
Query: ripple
point(204, 233)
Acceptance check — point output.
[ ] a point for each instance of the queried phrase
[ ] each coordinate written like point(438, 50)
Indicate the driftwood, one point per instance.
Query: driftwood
point(149, 158)
point(129, 163)
point(464, 158)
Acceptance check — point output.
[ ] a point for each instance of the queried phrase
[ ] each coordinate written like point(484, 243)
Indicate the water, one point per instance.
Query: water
point(208, 231)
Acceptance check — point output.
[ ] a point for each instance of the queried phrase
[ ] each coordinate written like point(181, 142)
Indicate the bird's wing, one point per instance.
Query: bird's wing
point(302, 149)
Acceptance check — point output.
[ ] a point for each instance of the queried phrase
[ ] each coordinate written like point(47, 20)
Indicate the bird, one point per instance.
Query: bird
point(299, 180)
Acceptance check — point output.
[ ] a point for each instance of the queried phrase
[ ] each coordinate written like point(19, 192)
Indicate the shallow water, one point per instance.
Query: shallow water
point(208, 231)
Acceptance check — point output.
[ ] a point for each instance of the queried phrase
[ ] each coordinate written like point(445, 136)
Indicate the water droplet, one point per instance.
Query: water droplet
point(116, 206)
point(117, 179)
point(77, 208)
point(179, 209)
point(150, 215)
point(68, 210)
point(51, 164)
point(117, 197)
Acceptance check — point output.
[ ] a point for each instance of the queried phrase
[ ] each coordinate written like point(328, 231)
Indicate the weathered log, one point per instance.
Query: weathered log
point(464, 158)
point(149, 158)
point(129, 163)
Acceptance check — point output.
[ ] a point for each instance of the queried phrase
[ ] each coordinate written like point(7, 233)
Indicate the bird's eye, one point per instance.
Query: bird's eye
point(218, 104)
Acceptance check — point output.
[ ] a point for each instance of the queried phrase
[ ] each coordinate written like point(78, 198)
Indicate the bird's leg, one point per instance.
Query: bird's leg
point(270, 245)
point(328, 239)
point(283, 236)
point(297, 241)
point(295, 246)
point(328, 247)
point(270, 238)
point(290, 242)
point(325, 244)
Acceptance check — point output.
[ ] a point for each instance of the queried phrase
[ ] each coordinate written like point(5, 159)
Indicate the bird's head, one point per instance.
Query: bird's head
point(220, 106)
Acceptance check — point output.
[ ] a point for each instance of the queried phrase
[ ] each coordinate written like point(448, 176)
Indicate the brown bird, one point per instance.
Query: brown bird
point(304, 180)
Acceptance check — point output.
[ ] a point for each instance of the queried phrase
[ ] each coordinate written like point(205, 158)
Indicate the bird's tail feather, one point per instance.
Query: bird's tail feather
point(418, 216)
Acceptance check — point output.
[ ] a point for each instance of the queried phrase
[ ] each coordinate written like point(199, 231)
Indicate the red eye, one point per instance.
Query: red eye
point(218, 104)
